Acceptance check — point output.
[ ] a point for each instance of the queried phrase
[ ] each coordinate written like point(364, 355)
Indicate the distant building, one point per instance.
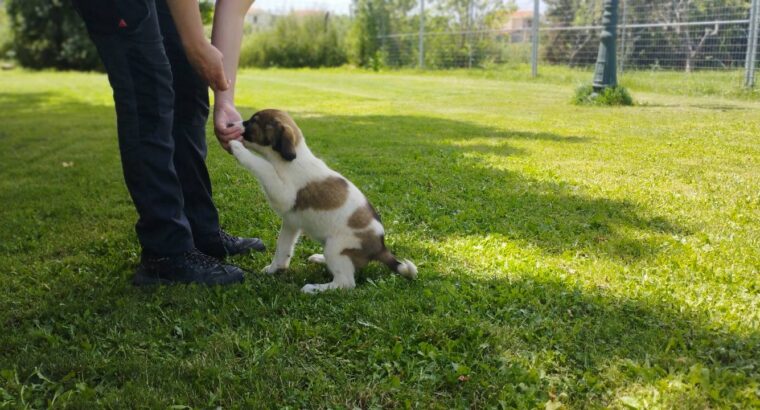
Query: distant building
point(259, 20)
point(308, 13)
point(519, 25)
point(263, 20)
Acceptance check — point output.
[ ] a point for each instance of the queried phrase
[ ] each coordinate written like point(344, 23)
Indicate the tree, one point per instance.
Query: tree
point(374, 20)
point(470, 18)
point(572, 47)
point(673, 46)
point(314, 40)
point(49, 33)
point(386, 30)
point(686, 44)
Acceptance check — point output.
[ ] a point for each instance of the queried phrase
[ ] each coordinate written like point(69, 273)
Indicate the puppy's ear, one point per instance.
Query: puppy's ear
point(285, 141)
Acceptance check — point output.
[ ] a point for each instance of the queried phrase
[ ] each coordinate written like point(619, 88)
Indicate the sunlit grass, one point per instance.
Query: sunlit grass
point(576, 256)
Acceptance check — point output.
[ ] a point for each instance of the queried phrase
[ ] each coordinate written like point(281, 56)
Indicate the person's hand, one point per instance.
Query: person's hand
point(227, 126)
point(207, 61)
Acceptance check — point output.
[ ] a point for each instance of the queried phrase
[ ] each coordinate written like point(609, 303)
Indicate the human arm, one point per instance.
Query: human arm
point(227, 36)
point(204, 57)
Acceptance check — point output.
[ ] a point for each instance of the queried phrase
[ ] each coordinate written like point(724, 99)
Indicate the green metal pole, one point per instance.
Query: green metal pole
point(606, 66)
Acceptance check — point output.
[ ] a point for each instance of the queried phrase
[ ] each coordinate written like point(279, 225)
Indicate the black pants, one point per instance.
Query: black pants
point(161, 107)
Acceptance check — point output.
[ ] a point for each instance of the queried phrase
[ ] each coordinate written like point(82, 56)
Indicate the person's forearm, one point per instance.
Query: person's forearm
point(187, 18)
point(227, 36)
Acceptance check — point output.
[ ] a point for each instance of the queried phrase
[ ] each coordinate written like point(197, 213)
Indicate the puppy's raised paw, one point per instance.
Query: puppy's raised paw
point(236, 145)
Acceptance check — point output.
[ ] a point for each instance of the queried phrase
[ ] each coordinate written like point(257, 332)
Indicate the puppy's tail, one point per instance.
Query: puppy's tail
point(404, 268)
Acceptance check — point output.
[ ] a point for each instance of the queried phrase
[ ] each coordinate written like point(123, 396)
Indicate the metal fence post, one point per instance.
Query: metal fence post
point(534, 53)
point(750, 61)
point(470, 19)
point(422, 35)
point(623, 37)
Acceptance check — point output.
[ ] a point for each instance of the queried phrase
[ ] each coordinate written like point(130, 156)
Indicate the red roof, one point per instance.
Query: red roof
point(522, 14)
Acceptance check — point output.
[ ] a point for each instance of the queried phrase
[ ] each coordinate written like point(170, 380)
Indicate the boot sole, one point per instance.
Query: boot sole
point(143, 280)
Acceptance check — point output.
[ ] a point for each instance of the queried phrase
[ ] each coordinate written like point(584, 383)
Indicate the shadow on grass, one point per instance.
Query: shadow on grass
point(710, 107)
point(515, 341)
point(441, 171)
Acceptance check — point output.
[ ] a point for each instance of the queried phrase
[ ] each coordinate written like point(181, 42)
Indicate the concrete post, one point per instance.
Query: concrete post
point(623, 36)
point(421, 49)
point(470, 19)
point(534, 39)
point(750, 61)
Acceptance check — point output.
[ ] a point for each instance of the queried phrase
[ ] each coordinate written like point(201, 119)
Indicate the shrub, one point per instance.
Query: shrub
point(310, 41)
point(5, 34)
point(49, 34)
point(618, 95)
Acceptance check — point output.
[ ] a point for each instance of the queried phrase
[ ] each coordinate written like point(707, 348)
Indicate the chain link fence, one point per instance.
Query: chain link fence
point(676, 35)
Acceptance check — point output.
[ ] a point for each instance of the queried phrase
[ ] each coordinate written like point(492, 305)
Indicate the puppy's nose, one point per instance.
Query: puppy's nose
point(248, 131)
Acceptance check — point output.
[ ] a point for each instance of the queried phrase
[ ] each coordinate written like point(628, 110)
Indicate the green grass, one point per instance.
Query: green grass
point(718, 83)
point(569, 256)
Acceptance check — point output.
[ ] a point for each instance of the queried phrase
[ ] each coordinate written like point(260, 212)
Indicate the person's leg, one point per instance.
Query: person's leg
point(141, 78)
point(128, 39)
point(191, 109)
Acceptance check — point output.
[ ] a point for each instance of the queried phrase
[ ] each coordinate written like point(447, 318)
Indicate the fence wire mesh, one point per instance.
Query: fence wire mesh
point(685, 35)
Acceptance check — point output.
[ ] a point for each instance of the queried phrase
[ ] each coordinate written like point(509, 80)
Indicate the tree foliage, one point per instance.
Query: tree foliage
point(377, 24)
point(374, 20)
point(674, 46)
point(49, 33)
point(298, 41)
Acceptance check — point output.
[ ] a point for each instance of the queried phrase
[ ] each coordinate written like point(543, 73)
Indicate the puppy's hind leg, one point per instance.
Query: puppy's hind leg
point(317, 258)
point(342, 269)
point(405, 268)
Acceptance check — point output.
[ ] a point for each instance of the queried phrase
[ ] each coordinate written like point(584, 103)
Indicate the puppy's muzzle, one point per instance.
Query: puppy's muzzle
point(248, 131)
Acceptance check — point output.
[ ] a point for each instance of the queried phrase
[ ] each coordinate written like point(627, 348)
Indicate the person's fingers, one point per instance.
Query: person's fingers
point(231, 136)
point(226, 147)
point(219, 79)
point(234, 130)
point(228, 135)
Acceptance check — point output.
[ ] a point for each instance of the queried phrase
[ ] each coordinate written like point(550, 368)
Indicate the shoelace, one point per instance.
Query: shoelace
point(201, 259)
point(227, 237)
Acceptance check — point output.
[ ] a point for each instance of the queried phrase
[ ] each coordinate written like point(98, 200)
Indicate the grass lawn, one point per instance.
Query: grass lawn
point(569, 256)
point(718, 83)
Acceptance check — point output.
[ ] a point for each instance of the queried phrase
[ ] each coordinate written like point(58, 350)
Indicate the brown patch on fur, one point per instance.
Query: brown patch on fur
point(372, 245)
point(362, 217)
point(329, 193)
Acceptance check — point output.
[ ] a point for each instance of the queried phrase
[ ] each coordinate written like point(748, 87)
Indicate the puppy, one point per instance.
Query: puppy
point(313, 199)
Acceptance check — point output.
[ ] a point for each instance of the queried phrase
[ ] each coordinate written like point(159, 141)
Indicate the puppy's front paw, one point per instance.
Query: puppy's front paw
point(236, 145)
point(272, 269)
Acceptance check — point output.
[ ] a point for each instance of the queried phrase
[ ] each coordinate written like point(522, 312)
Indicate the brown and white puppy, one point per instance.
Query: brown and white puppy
point(313, 199)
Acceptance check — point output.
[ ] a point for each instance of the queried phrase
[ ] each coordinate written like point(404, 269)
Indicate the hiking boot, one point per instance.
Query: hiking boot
point(188, 267)
point(229, 245)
